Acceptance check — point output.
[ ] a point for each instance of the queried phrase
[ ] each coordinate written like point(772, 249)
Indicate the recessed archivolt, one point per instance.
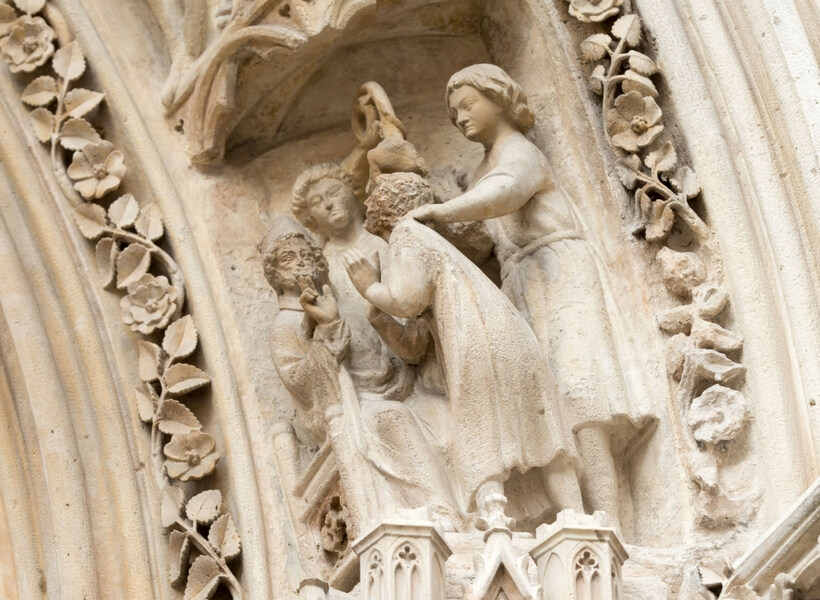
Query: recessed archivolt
point(72, 426)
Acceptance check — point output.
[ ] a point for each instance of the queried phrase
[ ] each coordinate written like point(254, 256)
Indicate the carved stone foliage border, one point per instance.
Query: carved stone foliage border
point(709, 412)
point(203, 539)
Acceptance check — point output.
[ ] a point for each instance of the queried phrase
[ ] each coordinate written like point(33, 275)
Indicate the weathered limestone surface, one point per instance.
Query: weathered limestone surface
point(383, 299)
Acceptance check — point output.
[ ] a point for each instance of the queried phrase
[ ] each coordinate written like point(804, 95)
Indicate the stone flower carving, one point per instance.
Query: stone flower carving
point(149, 305)
point(97, 169)
point(718, 415)
point(190, 456)
point(29, 44)
point(594, 11)
point(633, 123)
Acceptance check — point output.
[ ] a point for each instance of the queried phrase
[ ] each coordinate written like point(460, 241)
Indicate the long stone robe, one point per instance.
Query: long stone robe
point(503, 402)
point(551, 274)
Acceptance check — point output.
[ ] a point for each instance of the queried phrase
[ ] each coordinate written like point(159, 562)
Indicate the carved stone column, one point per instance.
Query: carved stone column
point(402, 559)
point(579, 557)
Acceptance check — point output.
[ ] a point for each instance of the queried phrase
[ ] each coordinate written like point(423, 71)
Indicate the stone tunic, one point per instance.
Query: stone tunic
point(550, 273)
point(503, 402)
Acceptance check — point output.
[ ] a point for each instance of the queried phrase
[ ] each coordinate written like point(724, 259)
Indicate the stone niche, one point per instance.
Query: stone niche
point(186, 418)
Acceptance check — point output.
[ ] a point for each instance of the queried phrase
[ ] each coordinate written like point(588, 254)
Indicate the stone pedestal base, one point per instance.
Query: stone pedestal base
point(579, 557)
point(402, 559)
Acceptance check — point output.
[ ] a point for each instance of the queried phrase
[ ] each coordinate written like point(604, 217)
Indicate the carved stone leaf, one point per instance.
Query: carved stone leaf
point(77, 133)
point(595, 47)
point(658, 217)
point(132, 264)
point(597, 79)
point(69, 62)
point(224, 537)
point(183, 378)
point(180, 338)
point(676, 320)
point(30, 6)
point(628, 28)
point(685, 182)
point(42, 121)
point(204, 507)
point(174, 417)
point(711, 335)
point(627, 169)
point(642, 64)
point(106, 253)
point(663, 159)
point(149, 360)
point(179, 549)
point(79, 102)
point(90, 219)
point(715, 366)
point(203, 579)
point(149, 223)
point(124, 211)
point(711, 300)
point(40, 91)
point(658, 230)
point(171, 508)
point(145, 405)
point(7, 16)
point(635, 82)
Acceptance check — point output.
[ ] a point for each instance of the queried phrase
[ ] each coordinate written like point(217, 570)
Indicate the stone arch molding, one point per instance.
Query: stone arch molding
point(91, 483)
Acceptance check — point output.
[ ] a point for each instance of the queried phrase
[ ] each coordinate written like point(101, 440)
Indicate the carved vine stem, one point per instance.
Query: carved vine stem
point(709, 413)
point(127, 259)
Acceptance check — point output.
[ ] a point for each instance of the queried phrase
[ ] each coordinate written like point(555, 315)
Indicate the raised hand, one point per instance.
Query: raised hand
point(362, 272)
point(322, 308)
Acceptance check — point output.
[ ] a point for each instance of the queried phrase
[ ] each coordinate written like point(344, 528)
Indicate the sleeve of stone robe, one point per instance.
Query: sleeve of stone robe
point(504, 189)
point(409, 340)
point(308, 366)
point(406, 289)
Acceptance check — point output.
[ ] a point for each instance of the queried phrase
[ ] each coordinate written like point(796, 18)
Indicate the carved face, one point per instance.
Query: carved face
point(293, 260)
point(476, 116)
point(331, 205)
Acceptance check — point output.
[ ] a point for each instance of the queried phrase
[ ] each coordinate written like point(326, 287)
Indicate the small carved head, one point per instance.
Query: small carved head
point(289, 255)
point(325, 197)
point(494, 84)
point(393, 196)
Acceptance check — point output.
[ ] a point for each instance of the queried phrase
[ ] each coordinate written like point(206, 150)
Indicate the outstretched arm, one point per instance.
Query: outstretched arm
point(409, 340)
point(503, 190)
point(404, 294)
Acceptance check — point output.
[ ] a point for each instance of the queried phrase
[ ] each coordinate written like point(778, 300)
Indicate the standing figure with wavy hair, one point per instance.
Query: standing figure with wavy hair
point(548, 269)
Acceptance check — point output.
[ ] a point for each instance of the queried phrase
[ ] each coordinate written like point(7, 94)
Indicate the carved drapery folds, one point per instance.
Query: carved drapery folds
point(709, 412)
point(202, 536)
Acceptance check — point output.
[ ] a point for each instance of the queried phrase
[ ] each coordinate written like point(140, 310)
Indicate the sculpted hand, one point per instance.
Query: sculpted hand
point(322, 307)
point(361, 271)
point(428, 212)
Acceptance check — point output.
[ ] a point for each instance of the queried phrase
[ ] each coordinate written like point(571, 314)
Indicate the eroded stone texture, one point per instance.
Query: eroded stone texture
point(472, 299)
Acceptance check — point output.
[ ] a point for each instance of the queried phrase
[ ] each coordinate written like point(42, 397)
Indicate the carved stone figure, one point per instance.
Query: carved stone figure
point(309, 339)
point(384, 461)
point(548, 270)
point(502, 398)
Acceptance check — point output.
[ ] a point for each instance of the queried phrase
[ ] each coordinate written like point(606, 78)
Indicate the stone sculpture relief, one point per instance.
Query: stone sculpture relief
point(345, 391)
point(547, 269)
point(415, 321)
point(426, 386)
point(202, 537)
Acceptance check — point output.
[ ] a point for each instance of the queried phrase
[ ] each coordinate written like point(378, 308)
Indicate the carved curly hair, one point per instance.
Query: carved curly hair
point(270, 247)
point(493, 82)
point(300, 203)
point(393, 196)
